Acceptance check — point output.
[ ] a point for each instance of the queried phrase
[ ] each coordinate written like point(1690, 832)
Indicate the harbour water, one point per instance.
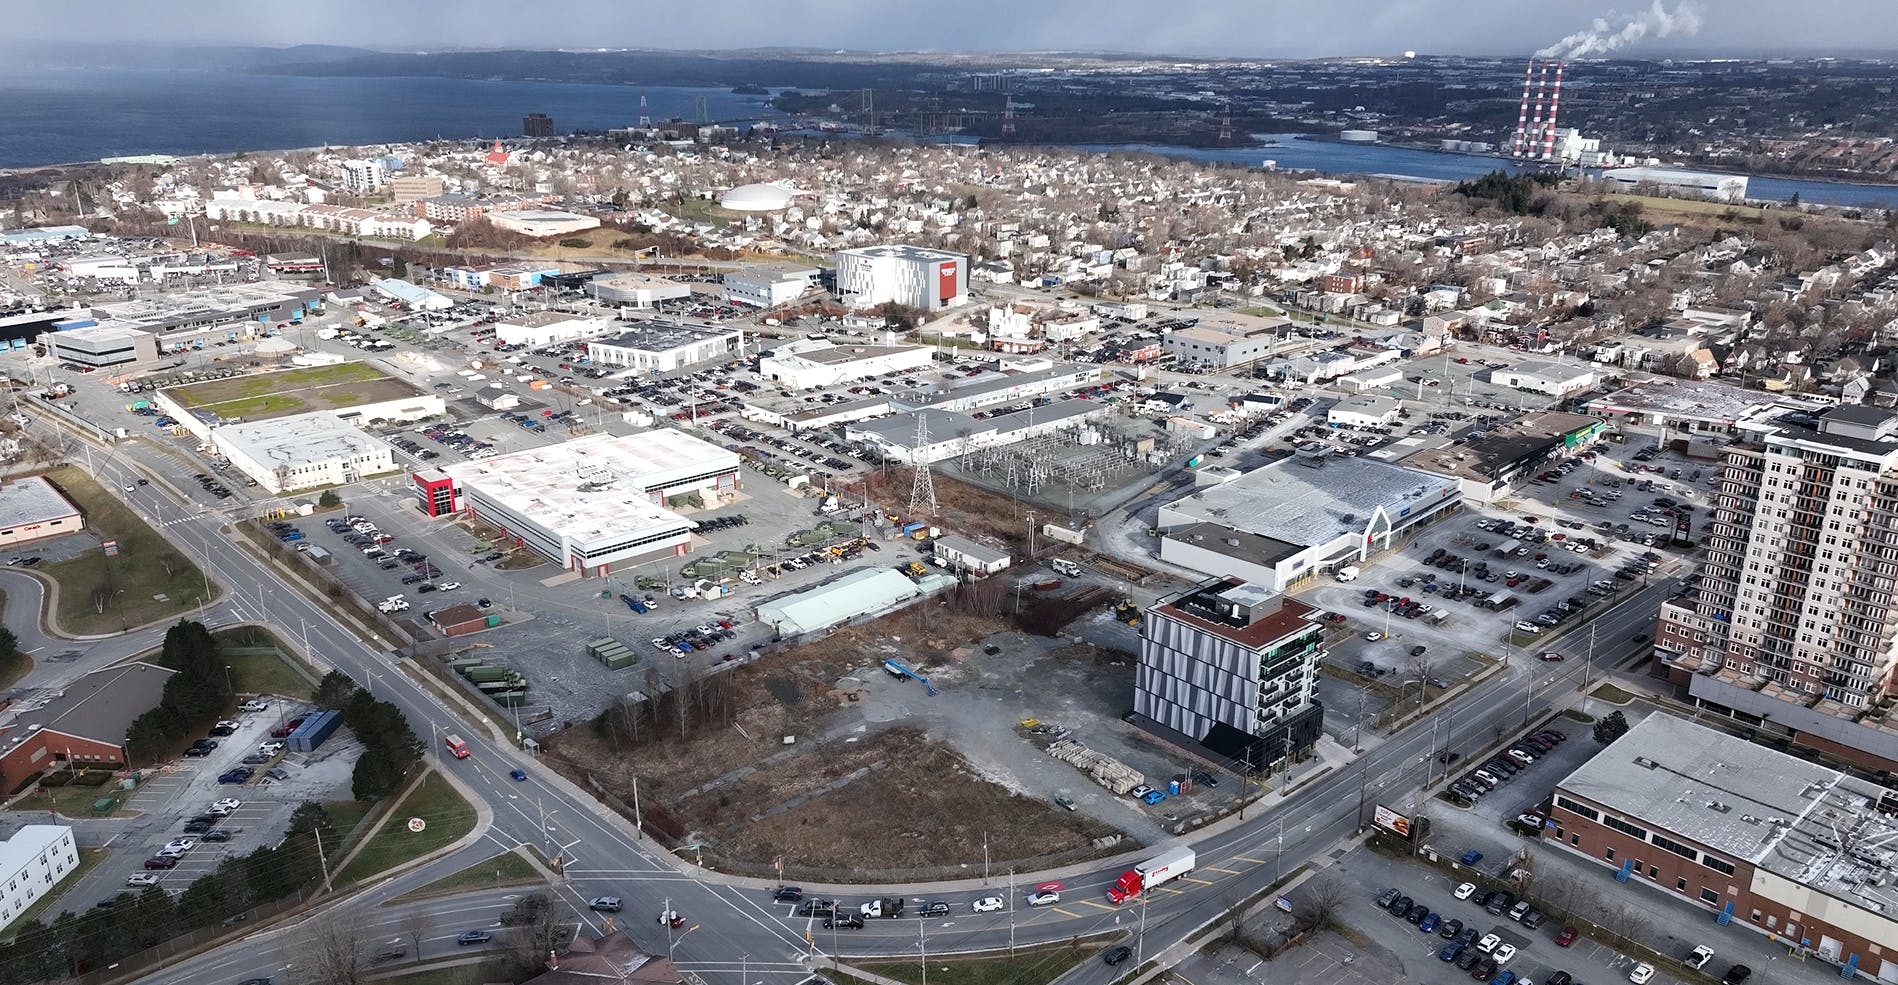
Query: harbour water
point(51, 117)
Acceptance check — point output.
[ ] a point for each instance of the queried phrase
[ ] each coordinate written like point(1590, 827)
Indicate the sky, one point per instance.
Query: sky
point(1236, 28)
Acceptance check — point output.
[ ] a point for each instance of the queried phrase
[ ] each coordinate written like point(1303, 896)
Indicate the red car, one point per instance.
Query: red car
point(161, 862)
point(1566, 937)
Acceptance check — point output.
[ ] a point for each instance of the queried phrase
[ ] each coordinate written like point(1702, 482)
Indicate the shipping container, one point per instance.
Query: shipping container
point(314, 731)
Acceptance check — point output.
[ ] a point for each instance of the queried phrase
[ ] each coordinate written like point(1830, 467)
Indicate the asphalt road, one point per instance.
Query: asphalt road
point(730, 927)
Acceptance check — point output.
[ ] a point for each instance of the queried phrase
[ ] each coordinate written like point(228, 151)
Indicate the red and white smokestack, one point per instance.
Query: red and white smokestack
point(1522, 115)
point(1555, 100)
point(1535, 120)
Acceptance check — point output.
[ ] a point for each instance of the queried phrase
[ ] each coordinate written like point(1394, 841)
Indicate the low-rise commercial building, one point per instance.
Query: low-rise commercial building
point(542, 223)
point(661, 347)
point(594, 505)
point(1009, 383)
point(510, 275)
point(303, 451)
point(408, 188)
point(539, 328)
point(767, 285)
point(963, 554)
point(1278, 525)
point(913, 276)
point(1547, 378)
point(32, 508)
point(808, 364)
point(1791, 850)
point(863, 592)
point(1364, 410)
point(1701, 184)
point(1491, 466)
point(636, 290)
point(100, 346)
point(951, 434)
point(83, 726)
point(1226, 344)
point(1232, 667)
point(32, 863)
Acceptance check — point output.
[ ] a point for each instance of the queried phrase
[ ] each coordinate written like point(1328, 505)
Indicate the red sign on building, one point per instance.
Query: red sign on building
point(946, 281)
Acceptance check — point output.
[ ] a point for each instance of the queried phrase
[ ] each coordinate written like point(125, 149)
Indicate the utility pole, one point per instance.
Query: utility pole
point(1588, 664)
point(922, 948)
point(1011, 911)
point(322, 858)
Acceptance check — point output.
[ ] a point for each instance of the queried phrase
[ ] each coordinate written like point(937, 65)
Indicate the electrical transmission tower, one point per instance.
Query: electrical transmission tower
point(1225, 124)
point(1008, 104)
point(869, 105)
point(699, 113)
point(922, 490)
point(645, 115)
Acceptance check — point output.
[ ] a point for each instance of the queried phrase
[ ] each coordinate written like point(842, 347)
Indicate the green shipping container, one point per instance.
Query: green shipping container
point(493, 621)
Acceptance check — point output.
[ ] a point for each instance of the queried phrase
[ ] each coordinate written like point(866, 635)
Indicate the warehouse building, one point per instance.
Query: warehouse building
point(1547, 378)
point(508, 275)
point(1009, 383)
point(82, 726)
point(1232, 668)
point(100, 346)
point(767, 285)
point(1278, 525)
point(410, 296)
point(864, 592)
point(226, 312)
point(31, 508)
point(542, 223)
point(303, 451)
point(1700, 184)
point(809, 364)
point(1223, 345)
point(1795, 852)
point(925, 279)
point(951, 434)
point(539, 328)
point(1490, 466)
point(594, 505)
point(661, 347)
point(635, 289)
point(32, 863)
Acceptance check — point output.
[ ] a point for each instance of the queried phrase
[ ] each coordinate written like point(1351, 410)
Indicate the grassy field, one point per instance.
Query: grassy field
point(1023, 968)
point(1654, 207)
point(345, 814)
point(294, 391)
point(1612, 694)
point(255, 669)
point(505, 869)
point(136, 577)
point(447, 815)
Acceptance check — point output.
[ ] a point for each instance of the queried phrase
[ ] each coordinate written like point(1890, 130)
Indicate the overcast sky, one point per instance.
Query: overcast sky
point(1279, 28)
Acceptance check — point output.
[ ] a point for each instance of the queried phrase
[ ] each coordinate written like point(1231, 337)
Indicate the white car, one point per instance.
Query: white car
point(448, 586)
point(1373, 636)
point(142, 879)
point(1699, 958)
point(270, 748)
point(989, 904)
point(1528, 627)
point(1642, 974)
point(176, 848)
point(226, 806)
point(254, 704)
point(1503, 953)
point(1046, 897)
point(1465, 891)
point(1488, 943)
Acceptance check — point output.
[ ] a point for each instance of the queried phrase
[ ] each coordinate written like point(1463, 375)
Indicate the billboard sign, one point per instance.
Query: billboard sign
point(1391, 821)
point(946, 280)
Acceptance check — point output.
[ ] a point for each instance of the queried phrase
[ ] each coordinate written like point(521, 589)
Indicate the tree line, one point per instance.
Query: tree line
point(196, 695)
point(391, 751)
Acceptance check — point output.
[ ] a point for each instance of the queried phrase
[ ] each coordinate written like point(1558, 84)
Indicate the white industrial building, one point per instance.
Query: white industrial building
point(595, 505)
point(1226, 345)
point(1363, 410)
point(963, 554)
point(1008, 382)
point(302, 451)
point(863, 592)
point(1548, 378)
point(767, 285)
point(909, 275)
point(636, 289)
point(32, 863)
point(541, 223)
point(100, 346)
point(950, 433)
point(807, 364)
point(1282, 523)
point(415, 297)
point(1702, 184)
point(661, 347)
point(540, 328)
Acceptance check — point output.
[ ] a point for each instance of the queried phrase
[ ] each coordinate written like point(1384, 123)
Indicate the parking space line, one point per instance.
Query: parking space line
point(1230, 872)
point(1248, 858)
point(1202, 882)
point(1063, 912)
point(1097, 905)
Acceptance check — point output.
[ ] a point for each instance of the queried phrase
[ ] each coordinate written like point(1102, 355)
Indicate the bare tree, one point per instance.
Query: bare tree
point(1319, 902)
point(171, 563)
point(334, 950)
point(540, 933)
point(415, 926)
point(1419, 668)
point(100, 597)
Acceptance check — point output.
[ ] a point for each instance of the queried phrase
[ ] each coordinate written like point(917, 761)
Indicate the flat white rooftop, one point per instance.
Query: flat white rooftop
point(597, 488)
point(300, 439)
point(31, 499)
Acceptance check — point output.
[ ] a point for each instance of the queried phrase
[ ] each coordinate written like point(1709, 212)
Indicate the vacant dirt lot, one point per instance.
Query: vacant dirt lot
point(964, 509)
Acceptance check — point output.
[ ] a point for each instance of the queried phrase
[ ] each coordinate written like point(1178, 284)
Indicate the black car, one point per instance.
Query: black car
point(1468, 958)
point(784, 894)
point(1498, 903)
point(845, 921)
point(217, 836)
point(1451, 928)
point(1117, 954)
point(935, 908)
point(1417, 912)
point(473, 937)
point(817, 907)
point(1735, 975)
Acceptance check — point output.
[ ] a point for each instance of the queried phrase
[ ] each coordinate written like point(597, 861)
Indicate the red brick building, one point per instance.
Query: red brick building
point(84, 726)
point(1784, 847)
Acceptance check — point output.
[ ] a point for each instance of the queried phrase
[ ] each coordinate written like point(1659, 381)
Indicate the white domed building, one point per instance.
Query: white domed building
point(761, 197)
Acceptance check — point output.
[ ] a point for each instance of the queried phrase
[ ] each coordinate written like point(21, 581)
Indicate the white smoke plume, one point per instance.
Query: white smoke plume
point(1614, 31)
